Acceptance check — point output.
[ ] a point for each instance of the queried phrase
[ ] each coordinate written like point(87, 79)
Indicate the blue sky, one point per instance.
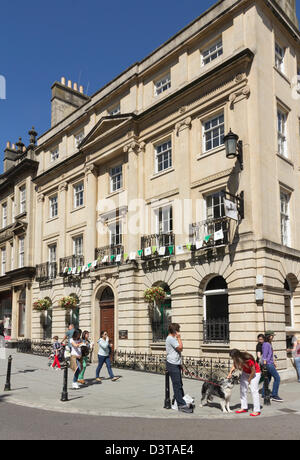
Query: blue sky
point(89, 42)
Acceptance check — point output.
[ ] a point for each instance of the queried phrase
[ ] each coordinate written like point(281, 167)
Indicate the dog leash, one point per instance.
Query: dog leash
point(203, 380)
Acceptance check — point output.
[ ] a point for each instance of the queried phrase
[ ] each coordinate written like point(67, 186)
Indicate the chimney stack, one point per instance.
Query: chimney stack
point(10, 156)
point(65, 99)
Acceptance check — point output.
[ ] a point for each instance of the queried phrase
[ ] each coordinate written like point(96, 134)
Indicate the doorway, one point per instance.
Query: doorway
point(107, 314)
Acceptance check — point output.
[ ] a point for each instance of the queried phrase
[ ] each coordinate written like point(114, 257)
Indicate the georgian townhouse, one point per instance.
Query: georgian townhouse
point(182, 173)
point(17, 237)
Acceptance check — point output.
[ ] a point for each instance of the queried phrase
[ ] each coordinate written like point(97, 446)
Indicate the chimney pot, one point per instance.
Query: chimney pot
point(75, 86)
point(81, 89)
point(8, 145)
point(69, 83)
point(63, 81)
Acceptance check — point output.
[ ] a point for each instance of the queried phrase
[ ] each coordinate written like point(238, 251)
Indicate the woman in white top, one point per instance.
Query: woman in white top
point(76, 357)
point(103, 357)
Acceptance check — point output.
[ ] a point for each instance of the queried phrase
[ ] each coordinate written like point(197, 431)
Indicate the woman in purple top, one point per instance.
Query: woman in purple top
point(268, 362)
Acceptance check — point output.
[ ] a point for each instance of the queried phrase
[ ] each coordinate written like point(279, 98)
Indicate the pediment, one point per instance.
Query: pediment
point(106, 126)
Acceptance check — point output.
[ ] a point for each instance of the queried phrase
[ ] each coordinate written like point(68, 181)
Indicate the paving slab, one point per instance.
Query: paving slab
point(135, 394)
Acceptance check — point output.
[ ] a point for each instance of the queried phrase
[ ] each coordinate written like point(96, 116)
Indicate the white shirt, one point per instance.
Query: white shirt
point(76, 351)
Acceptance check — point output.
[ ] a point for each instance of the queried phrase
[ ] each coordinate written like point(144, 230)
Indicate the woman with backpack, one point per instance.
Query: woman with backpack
point(85, 351)
point(250, 377)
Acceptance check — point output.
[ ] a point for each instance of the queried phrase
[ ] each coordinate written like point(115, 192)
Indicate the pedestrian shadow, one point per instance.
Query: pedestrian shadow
point(27, 371)
point(2, 397)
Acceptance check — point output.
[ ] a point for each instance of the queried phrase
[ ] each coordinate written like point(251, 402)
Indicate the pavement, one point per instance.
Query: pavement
point(135, 394)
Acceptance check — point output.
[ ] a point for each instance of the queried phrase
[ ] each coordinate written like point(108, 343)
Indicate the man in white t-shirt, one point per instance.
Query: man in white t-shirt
point(174, 348)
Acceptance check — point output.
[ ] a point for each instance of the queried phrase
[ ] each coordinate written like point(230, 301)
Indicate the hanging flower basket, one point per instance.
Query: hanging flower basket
point(42, 305)
point(154, 295)
point(68, 303)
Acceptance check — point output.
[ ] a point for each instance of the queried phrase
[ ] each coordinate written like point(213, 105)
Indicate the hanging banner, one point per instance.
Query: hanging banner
point(179, 250)
point(162, 251)
point(231, 210)
point(219, 235)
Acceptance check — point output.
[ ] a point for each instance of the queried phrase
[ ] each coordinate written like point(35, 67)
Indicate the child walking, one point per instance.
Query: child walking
point(56, 350)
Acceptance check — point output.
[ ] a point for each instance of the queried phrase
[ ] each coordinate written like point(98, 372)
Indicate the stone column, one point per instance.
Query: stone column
point(132, 196)
point(91, 174)
point(182, 211)
point(63, 188)
point(38, 258)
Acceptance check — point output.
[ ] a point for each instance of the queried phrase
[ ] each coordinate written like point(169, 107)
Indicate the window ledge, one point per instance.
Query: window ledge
point(116, 192)
point(216, 345)
point(51, 219)
point(158, 346)
point(162, 173)
point(287, 160)
point(78, 209)
point(282, 75)
point(211, 152)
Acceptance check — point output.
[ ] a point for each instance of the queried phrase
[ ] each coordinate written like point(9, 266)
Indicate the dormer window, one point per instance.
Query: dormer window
point(162, 85)
point(54, 154)
point(78, 139)
point(212, 53)
point(116, 110)
point(279, 57)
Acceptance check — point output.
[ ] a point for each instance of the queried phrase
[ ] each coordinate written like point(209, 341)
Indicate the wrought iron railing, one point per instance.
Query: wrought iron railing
point(46, 271)
point(108, 254)
point(216, 331)
point(70, 262)
point(34, 347)
point(193, 368)
point(157, 241)
point(211, 232)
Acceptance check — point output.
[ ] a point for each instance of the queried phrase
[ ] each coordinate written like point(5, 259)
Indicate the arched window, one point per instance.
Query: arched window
point(72, 316)
point(216, 312)
point(288, 304)
point(162, 316)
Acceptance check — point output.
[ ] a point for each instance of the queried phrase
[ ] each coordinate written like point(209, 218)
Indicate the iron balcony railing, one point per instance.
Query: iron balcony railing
point(158, 241)
point(216, 331)
point(70, 262)
point(108, 254)
point(46, 271)
point(211, 232)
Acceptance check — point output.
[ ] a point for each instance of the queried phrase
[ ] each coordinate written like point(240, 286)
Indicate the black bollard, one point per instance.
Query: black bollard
point(64, 395)
point(167, 392)
point(267, 398)
point(7, 385)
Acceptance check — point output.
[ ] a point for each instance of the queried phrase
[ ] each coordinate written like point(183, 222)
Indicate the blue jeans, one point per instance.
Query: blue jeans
point(272, 372)
point(101, 361)
point(175, 374)
point(297, 364)
point(77, 372)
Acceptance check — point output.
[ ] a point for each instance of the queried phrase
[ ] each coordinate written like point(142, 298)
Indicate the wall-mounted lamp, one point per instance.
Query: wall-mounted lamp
point(234, 148)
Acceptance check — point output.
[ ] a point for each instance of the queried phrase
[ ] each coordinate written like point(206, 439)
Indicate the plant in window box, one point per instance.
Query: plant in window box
point(154, 296)
point(42, 305)
point(68, 303)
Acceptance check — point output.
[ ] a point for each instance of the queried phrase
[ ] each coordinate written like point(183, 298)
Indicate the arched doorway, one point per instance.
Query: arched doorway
point(216, 312)
point(22, 313)
point(107, 314)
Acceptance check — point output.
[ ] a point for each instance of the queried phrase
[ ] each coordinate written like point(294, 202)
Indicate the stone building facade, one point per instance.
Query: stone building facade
point(134, 189)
